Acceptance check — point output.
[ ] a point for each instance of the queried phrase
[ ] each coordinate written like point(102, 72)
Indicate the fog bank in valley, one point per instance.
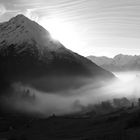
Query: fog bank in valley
point(25, 98)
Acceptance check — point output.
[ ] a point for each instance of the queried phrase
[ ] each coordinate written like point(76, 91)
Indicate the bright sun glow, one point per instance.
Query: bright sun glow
point(62, 31)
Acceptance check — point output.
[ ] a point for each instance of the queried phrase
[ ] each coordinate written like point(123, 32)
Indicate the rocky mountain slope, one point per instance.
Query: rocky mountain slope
point(29, 55)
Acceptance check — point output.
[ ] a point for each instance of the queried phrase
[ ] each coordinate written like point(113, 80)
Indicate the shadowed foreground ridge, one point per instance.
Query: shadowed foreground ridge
point(118, 124)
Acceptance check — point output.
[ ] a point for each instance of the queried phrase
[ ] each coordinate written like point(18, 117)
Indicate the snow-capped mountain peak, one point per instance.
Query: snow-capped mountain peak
point(28, 54)
point(20, 31)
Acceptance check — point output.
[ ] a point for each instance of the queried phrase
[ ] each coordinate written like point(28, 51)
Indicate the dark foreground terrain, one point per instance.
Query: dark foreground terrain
point(122, 124)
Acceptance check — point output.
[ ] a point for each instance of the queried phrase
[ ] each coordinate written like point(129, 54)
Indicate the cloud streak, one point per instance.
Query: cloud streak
point(93, 19)
point(2, 9)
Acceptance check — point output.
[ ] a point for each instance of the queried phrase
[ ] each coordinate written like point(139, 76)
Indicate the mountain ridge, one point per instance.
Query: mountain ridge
point(28, 54)
point(119, 62)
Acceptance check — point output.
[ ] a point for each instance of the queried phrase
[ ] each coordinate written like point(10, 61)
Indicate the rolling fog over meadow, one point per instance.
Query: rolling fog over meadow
point(25, 98)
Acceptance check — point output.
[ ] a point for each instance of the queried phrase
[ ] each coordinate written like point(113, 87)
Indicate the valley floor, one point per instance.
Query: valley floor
point(123, 124)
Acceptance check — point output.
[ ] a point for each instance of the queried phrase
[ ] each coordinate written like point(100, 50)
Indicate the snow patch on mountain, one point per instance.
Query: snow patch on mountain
point(20, 31)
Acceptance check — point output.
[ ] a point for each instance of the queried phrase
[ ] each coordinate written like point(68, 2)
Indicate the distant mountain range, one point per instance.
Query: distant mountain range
point(118, 63)
point(29, 55)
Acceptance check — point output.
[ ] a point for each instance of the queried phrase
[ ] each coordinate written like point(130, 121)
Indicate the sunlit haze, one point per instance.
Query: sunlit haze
point(127, 76)
point(62, 31)
point(88, 27)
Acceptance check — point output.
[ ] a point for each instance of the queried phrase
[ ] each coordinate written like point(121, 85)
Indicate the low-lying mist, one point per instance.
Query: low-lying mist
point(27, 99)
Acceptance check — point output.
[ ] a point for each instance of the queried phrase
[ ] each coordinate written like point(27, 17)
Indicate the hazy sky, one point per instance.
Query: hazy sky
point(89, 27)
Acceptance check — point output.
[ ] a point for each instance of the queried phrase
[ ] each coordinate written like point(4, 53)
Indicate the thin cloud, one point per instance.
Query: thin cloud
point(2, 9)
point(93, 19)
